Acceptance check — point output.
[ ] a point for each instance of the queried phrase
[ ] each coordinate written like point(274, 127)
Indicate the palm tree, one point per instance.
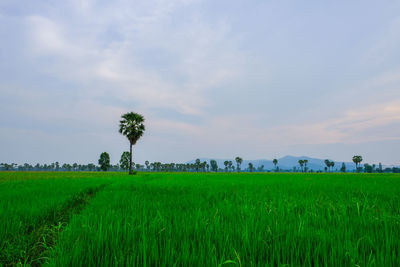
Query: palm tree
point(327, 163)
point(197, 163)
point(226, 163)
point(275, 161)
point(305, 164)
point(214, 165)
point(251, 167)
point(132, 126)
point(301, 163)
point(357, 160)
point(230, 165)
point(343, 168)
point(239, 161)
point(332, 164)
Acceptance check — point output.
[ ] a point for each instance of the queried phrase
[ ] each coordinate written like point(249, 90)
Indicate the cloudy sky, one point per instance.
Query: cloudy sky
point(257, 79)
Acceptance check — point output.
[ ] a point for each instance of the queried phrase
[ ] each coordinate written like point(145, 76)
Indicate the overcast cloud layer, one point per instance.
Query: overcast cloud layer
point(256, 79)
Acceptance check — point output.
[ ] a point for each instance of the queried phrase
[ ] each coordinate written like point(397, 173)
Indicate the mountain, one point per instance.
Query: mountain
point(284, 163)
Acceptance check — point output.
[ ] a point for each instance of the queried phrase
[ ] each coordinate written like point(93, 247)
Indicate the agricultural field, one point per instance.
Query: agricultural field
point(199, 219)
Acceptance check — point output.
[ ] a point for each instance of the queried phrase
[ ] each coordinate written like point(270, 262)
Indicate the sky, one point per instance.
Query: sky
point(217, 79)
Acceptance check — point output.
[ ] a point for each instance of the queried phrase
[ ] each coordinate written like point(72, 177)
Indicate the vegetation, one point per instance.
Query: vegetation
point(330, 164)
point(275, 162)
point(177, 167)
point(199, 219)
point(357, 160)
point(239, 161)
point(104, 161)
point(124, 161)
point(34, 206)
point(214, 165)
point(343, 168)
point(132, 126)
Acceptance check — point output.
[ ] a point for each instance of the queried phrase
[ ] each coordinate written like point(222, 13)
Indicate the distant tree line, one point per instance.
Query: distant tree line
point(132, 127)
point(104, 164)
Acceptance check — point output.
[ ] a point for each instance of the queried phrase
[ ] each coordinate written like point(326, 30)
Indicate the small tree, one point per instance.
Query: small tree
point(226, 163)
point(343, 168)
point(357, 160)
point(239, 161)
point(197, 164)
point(124, 161)
point(332, 164)
point(328, 164)
point(104, 161)
point(275, 161)
point(261, 168)
point(91, 167)
point(368, 168)
point(380, 168)
point(301, 163)
point(251, 167)
point(230, 165)
point(214, 165)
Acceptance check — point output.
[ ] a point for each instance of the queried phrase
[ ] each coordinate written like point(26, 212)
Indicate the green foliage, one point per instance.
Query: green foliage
point(214, 165)
point(357, 160)
point(30, 203)
point(343, 168)
point(251, 167)
point(329, 164)
point(132, 126)
point(275, 162)
point(368, 168)
point(124, 161)
point(104, 161)
point(239, 161)
point(203, 219)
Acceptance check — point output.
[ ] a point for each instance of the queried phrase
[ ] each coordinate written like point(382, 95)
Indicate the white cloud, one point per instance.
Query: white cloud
point(225, 71)
point(46, 36)
point(201, 60)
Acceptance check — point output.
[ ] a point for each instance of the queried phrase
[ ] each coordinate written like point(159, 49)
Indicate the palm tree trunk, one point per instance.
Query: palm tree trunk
point(130, 160)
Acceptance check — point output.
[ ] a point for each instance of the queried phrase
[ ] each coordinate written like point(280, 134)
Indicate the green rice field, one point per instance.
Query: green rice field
point(199, 219)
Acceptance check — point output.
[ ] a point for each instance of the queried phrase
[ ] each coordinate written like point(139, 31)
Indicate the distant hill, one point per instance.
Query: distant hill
point(284, 163)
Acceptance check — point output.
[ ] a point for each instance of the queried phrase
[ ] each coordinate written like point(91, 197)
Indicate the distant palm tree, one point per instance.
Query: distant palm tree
point(197, 164)
point(239, 161)
point(305, 164)
point(332, 164)
point(275, 161)
point(214, 165)
point(328, 163)
point(132, 126)
point(251, 167)
point(226, 163)
point(357, 160)
point(301, 163)
point(230, 165)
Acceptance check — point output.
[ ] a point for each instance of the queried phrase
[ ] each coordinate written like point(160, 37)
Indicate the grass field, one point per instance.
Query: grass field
point(190, 219)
